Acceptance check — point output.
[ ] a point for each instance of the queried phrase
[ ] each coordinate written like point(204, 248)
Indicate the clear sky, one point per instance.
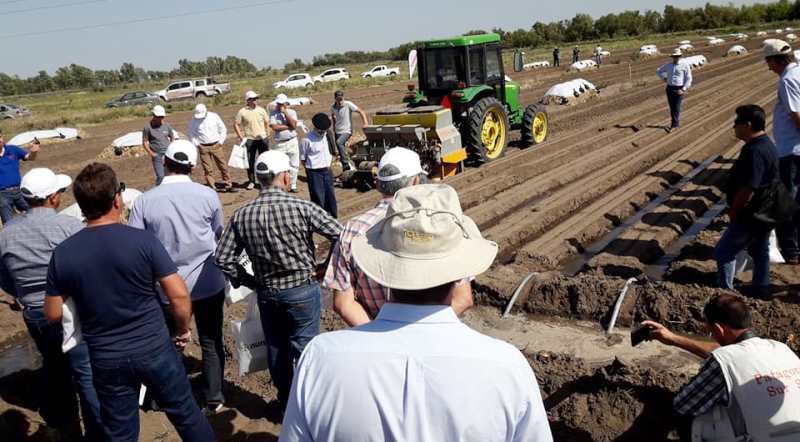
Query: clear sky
point(269, 34)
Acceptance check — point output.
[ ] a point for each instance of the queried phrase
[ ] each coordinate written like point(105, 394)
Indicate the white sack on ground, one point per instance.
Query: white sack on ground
point(65, 133)
point(583, 65)
point(570, 89)
point(251, 347)
point(684, 42)
point(737, 50)
point(695, 61)
point(648, 50)
point(299, 101)
point(129, 196)
point(536, 65)
point(686, 47)
point(761, 33)
point(234, 295)
point(133, 139)
point(716, 42)
point(791, 37)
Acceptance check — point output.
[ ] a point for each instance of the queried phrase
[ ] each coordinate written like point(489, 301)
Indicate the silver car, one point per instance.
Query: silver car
point(11, 111)
point(134, 99)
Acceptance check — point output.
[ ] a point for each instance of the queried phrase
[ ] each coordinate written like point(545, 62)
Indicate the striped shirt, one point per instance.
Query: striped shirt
point(26, 244)
point(703, 392)
point(276, 231)
point(343, 273)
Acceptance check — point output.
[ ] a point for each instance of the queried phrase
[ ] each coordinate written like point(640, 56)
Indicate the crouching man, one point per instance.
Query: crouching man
point(748, 386)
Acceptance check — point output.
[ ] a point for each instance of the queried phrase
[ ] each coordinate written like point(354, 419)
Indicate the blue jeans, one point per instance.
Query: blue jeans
point(290, 319)
point(789, 234)
point(675, 101)
point(10, 199)
point(158, 167)
point(737, 237)
point(117, 381)
point(341, 146)
point(59, 407)
point(320, 186)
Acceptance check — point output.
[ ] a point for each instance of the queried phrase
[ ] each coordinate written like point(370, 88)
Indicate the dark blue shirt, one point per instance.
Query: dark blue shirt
point(9, 166)
point(111, 272)
point(756, 167)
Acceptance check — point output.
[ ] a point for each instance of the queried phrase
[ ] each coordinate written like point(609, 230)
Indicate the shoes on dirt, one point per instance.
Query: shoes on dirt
point(212, 409)
point(250, 186)
point(754, 292)
point(294, 190)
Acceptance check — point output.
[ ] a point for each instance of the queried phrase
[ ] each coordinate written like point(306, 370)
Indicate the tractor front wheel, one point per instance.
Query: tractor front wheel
point(535, 125)
point(486, 134)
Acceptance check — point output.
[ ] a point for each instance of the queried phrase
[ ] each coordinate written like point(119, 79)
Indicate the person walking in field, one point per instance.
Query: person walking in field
point(678, 77)
point(156, 136)
point(283, 122)
point(251, 128)
point(342, 116)
point(10, 196)
point(598, 55)
point(208, 133)
point(315, 154)
point(576, 54)
point(786, 128)
point(187, 218)
point(557, 57)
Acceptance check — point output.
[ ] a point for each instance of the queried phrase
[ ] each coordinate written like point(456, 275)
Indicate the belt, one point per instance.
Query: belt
point(321, 169)
point(27, 290)
point(285, 141)
point(210, 144)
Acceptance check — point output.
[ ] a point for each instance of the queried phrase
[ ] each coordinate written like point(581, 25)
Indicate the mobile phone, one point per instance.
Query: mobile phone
point(639, 335)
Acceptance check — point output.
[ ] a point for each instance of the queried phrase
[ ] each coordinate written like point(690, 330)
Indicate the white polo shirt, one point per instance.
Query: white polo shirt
point(314, 151)
point(415, 373)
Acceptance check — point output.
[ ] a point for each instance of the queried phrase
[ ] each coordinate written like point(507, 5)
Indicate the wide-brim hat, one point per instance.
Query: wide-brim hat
point(425, 241)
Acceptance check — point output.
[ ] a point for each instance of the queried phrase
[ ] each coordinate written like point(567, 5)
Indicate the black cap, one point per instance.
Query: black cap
point(321, 121)
point(338, 94)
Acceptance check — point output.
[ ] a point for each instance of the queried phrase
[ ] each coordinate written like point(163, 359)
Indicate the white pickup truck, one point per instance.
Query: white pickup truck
point(196, 88)
point(381, 71)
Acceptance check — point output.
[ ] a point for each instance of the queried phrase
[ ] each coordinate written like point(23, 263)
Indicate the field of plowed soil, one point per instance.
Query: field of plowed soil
point(603, 199)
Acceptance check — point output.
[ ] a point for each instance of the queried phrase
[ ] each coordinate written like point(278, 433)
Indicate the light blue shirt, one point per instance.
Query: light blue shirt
point(786, 134)
point(415, 373)
point(679, 75)
point(186, 217)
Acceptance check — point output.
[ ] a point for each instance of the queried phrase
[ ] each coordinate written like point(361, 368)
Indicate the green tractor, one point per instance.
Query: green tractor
point(464, 108)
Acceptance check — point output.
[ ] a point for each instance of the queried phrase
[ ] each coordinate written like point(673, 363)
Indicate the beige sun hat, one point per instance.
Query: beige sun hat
point(425, 241)
point(773, 47)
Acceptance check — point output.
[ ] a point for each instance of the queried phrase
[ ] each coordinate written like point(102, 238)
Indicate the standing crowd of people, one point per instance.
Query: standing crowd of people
point(401, 276)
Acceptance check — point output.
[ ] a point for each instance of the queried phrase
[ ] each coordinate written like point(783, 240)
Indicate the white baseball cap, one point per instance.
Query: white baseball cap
point(200, 111)
point(677, 52)
point(249, 95)
point(282, 99)
point(182, 152)
point(158, 111)
point(273, 161)
point(42, 182)
point(773, 46)
point(406, 160)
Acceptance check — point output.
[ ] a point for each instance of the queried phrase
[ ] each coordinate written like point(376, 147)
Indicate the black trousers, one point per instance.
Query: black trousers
point(675, 100)
point(208, 317)
point(789, 234)
point(254, 149)
point(320, 186)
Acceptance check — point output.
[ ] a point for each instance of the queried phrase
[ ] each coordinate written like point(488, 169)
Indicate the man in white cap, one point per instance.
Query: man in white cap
point(26, 245)
point(786, 130)
point(276, 230)
point(187, 218)
point(251, 128)
point(283, 122)
point(156, 136)
point(208, 133)
point(357, 298)
point(416, 372)
point(678, 77)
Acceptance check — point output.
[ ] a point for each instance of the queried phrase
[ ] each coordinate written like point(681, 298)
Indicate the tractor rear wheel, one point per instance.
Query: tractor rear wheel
point(486, 133)
point(535, 125)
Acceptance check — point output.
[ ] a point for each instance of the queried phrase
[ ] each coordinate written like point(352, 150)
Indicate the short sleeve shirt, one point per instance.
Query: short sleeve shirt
point(111, 273)
point(277, 117)
point(787, 135)
point(159, 137)
point(314, 151)
point(756, 167)
point(9, 165)
point(344, 117)
point(253, 122)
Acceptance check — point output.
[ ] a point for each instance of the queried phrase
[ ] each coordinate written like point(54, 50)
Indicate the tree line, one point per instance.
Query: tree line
point(580, 28)
point(76, 76)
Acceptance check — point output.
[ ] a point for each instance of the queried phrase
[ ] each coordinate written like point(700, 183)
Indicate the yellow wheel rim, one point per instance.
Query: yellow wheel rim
point(539, 127)
point(493, 133)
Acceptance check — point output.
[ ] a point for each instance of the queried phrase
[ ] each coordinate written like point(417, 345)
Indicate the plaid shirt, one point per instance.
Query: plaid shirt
point(703, 392)
point(343, 273)
point(276, 230)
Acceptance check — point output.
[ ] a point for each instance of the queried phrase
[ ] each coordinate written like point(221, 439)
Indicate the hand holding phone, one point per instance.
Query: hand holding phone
point(640, 334)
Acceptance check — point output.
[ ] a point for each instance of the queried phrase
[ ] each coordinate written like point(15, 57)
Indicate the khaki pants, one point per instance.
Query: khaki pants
point(209, 154)
point(292, 149)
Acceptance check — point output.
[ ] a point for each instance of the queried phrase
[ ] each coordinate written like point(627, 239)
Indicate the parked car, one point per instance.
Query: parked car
point(294, 81)
point(380, 71)
point(196, 88)
point(134, 99)
point(335, 74)
point(11, 111)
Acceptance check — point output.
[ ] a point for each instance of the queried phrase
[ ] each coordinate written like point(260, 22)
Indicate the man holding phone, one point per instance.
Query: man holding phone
point(283, 122)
